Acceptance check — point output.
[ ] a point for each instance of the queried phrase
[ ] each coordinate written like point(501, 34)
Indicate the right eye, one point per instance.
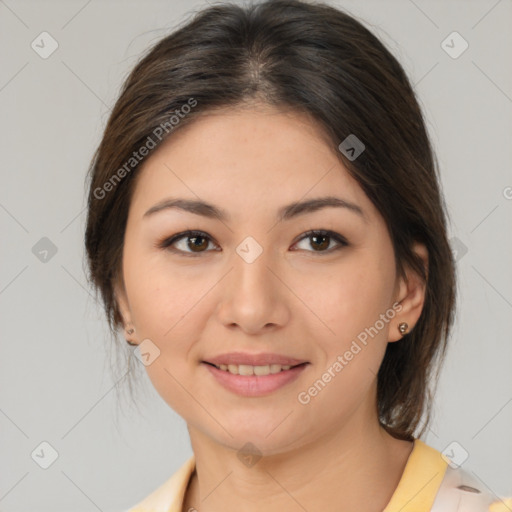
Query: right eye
point(196, 241)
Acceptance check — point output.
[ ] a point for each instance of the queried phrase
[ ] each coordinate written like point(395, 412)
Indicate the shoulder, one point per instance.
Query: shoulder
point(432, 482)
point(460, 491)
point(168, 497)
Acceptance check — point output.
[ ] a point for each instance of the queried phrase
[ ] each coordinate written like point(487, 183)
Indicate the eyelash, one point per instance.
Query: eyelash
point(168, 242)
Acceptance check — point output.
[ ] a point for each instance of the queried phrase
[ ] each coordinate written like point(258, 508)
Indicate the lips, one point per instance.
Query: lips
point(255, 385)
point(263, 359)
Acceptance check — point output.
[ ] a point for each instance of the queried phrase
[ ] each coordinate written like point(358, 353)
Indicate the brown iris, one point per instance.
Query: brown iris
point(323, 245)
point(194, 245)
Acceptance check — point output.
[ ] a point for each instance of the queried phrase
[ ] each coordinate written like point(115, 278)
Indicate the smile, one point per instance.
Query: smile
point(247, 380)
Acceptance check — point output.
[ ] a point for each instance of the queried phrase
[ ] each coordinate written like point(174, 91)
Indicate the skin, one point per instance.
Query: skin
point(330, 454)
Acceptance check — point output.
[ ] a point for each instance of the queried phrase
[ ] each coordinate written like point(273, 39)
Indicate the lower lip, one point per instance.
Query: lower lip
point(255, 385)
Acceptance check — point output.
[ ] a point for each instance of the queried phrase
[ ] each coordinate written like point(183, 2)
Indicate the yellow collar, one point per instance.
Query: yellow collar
point(420, 481)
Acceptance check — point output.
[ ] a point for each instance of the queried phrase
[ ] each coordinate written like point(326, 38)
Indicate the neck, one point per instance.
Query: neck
point(354, 468)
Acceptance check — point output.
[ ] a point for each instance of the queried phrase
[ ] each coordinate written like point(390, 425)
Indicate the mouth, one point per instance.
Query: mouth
point(251, 370)
point(254, 381)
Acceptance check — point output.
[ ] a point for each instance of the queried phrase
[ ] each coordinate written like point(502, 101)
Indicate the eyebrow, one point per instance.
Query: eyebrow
point(287, 212)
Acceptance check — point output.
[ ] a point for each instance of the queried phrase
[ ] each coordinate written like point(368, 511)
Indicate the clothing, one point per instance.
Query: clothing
point(428, 484)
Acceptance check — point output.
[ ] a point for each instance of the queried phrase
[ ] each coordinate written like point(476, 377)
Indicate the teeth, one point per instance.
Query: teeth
point(247, 369)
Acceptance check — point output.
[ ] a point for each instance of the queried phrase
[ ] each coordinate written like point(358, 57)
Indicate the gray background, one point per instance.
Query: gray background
point(56, 383)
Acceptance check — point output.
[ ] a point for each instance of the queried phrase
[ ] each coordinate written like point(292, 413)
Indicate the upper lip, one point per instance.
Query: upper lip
point(253, 359)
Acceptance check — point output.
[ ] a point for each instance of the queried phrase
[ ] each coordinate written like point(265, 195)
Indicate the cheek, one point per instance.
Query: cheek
point(352, 297)
point(168, 311)
point(162, 297)
point(352, 306)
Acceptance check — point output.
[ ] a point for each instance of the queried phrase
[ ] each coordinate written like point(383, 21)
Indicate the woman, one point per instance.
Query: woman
point(266, 224)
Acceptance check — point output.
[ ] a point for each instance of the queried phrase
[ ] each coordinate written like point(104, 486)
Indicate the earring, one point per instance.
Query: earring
point(130, 331)
point(402, 327)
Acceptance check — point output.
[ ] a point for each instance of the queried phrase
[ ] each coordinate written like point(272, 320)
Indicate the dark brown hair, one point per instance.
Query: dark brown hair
point(315, 59)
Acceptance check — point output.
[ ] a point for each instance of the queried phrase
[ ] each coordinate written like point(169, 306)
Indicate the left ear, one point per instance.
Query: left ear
point(410, 295)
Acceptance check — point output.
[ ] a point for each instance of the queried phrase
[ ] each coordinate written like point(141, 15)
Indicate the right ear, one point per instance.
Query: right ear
point(123, 304)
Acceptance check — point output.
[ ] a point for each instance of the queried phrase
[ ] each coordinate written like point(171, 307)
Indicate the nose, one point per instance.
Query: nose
point(253, 296)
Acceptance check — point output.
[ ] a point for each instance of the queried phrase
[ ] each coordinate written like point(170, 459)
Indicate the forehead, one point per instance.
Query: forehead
point(245, 157)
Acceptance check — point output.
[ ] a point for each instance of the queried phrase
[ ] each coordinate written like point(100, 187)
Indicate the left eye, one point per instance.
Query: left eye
point(321, 240)
point(197, 242)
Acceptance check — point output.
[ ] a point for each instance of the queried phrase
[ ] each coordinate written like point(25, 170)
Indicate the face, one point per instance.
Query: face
point(258, 276)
